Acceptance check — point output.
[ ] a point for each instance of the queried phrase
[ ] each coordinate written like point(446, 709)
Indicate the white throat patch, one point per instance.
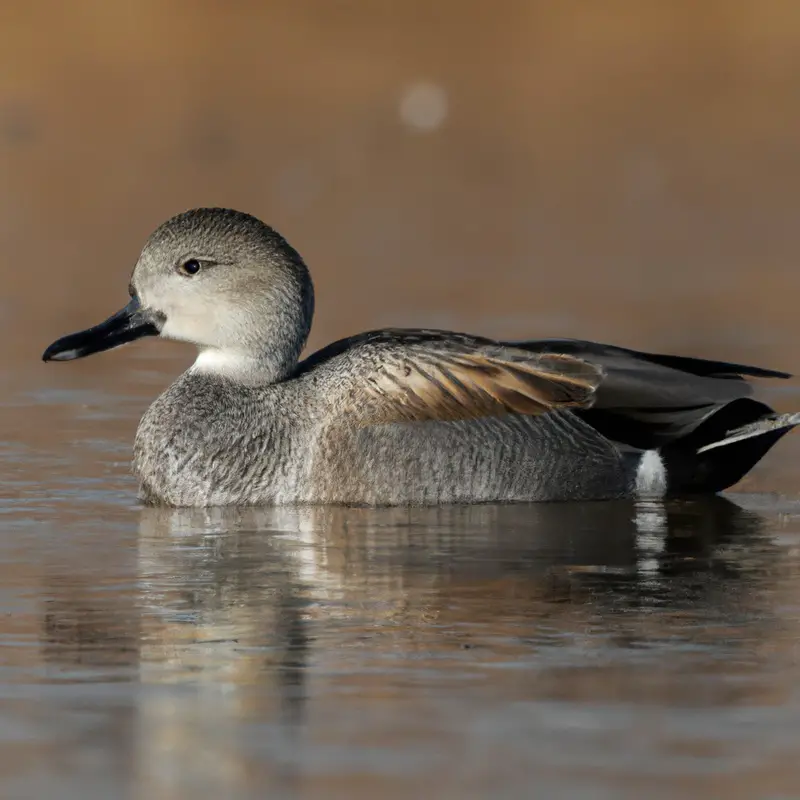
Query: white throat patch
point(229, 363)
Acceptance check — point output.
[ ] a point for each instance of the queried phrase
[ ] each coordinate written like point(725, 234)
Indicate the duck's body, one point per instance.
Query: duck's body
point(402, 416)
point(207, 441)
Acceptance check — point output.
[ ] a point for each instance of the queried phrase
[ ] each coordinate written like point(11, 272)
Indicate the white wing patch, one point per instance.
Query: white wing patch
point(651, 475)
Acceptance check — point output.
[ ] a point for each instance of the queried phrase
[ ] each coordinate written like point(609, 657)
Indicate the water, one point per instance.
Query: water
point(600, 650)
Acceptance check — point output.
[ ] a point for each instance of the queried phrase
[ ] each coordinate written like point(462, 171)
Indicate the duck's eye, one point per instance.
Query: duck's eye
point(190, 267)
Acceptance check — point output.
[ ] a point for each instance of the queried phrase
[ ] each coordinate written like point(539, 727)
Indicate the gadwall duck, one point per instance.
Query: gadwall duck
point(400, 417)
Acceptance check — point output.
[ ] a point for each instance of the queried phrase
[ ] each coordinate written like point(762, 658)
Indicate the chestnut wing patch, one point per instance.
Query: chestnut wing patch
point(453, 380)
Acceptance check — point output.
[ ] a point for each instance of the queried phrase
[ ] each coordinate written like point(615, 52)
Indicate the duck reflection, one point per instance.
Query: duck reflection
point(234, 593)
point(256, 631)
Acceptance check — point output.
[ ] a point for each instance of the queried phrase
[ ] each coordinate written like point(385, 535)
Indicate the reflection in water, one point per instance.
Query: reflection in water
point(334, 648)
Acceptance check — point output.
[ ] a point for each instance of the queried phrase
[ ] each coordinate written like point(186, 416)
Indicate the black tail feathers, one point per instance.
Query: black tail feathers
point(724, 447)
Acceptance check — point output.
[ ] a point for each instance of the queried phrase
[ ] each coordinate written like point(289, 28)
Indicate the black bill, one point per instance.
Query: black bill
point(131, 323)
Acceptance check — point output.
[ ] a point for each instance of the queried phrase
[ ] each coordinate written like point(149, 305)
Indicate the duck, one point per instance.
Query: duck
point(396, 417)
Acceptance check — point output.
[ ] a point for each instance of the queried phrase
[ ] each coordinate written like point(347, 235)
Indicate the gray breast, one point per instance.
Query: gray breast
point(209, 441)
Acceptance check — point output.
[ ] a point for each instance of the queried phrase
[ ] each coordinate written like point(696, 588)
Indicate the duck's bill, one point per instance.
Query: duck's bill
point(131, 323)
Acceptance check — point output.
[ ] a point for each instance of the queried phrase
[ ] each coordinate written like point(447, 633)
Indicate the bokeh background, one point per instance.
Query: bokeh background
point(621, 170)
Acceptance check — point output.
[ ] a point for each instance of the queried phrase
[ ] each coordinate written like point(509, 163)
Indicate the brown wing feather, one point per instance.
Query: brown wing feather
point(451, 380)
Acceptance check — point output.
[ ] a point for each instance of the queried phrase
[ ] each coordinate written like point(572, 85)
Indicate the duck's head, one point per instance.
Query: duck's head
point(220, 279)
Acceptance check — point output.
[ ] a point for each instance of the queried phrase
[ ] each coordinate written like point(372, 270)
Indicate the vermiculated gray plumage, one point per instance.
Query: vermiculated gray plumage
point(402, 416)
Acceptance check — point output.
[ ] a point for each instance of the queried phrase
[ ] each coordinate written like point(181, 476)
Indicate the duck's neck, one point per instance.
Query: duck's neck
point(242, 367)
point(267, 353)
point(253, 365)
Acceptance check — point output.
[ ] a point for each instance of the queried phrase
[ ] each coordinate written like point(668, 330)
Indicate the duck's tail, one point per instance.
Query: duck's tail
point(717, 453)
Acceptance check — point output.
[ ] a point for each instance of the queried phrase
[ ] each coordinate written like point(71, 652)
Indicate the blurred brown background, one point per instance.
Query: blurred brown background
point(625, 171)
